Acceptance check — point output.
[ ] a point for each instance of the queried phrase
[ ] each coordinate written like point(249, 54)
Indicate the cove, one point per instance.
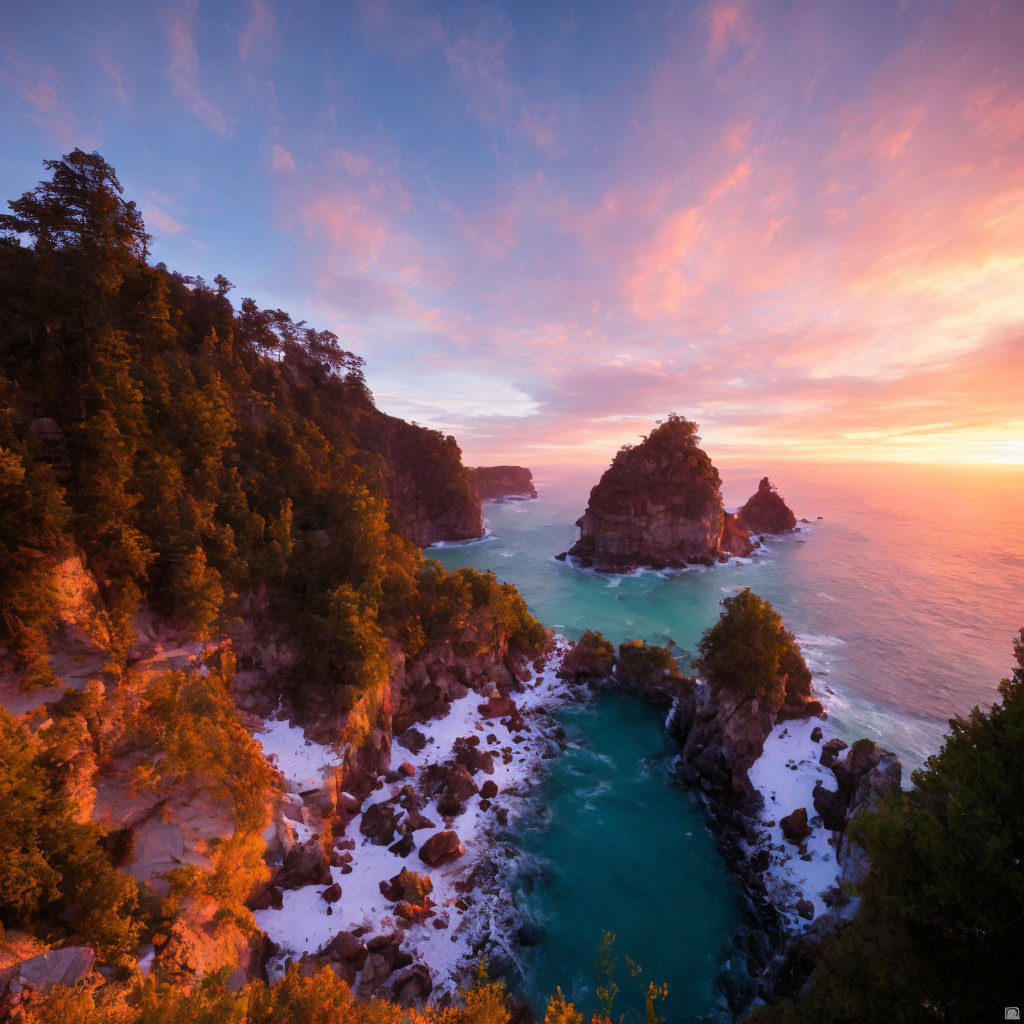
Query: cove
point(613, 844)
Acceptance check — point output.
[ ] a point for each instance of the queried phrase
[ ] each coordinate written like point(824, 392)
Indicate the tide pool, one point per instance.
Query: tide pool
point(614, 845)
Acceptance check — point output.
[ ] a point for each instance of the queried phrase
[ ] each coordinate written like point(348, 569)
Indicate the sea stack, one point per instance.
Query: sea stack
point(766, 512)
point(658, 504)
point(502, 483)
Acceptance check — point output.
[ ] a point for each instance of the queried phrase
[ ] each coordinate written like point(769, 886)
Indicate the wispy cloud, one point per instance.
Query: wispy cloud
point(183, 66)
point(258, 29)
point(281, 160)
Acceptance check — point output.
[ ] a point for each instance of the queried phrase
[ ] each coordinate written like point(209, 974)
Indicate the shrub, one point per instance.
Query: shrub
point(641, 662)
point(53, 867)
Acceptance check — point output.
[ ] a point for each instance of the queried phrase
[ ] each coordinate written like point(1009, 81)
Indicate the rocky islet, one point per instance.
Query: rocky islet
point(659, 506)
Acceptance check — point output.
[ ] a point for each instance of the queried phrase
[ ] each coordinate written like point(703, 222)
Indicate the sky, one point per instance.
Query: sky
point(547, 225)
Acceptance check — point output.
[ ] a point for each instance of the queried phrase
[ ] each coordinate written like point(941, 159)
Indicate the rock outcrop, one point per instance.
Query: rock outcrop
point(22, 983)
point(657, 505)
point(591, 657)
point(502, 483)
point(735, 540)
point(863, 776)
point(741, 697)
point(766, 512)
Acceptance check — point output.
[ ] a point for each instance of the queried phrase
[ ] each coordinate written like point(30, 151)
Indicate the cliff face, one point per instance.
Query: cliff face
point(657, 505)
point(429, 492)
point(766, 512)
point(493, 483)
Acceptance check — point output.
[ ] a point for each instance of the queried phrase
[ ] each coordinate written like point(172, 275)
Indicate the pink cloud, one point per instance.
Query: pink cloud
point(355, 165)
point(49, 101)
point(41, 90)
point(257, 29)
point(727, 26)
point(162, 220)
point(183, 69)
point(281, 160)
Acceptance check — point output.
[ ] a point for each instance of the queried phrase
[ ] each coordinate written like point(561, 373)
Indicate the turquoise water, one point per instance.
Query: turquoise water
point(615, 846)
point(904, 596)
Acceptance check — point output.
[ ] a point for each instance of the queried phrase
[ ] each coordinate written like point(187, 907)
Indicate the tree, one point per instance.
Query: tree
point(80, 210)
point(750, 650)
point(936, 936)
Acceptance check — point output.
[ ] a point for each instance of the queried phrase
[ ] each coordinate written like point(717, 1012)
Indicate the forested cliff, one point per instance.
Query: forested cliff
point(201, 512)
point(196, 454)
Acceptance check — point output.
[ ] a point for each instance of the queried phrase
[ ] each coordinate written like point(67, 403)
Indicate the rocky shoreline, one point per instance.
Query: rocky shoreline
point(408, 897)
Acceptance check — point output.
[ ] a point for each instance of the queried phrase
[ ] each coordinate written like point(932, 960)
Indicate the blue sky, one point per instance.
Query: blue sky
point(546, 225)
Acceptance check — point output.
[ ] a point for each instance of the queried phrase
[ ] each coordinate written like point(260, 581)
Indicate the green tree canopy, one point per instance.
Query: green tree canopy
point(750, 650)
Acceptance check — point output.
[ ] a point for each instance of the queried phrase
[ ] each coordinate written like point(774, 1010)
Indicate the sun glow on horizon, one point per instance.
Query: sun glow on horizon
point(803, 230)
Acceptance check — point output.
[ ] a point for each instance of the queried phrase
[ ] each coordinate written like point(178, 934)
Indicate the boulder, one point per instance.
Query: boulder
point(413, 913)
point(413, 986)
point(472, 758)
point(378, 823)
point(795, 827)
point(409, 886)
point(412, 739)
point(816, 734)
point(332, 893)
point(441, 848)
point(831, 806)
point(266, 896)
point(414, 821)
point(830, 751)
point(498, 706)
point(65, 966)
point(489, 790)
point(346, 948)
point(403, 847)
point(452, 784)
point(805, 908)
point(306, 864)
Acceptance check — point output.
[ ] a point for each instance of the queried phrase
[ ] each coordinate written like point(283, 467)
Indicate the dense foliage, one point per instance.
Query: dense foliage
point(675, 438)
point(647, 662)
point(937, 934)
point(750, 650)
point(301, 997)
point(206, 461)
point(55, 871)
point(318, 999)
point(203, 463)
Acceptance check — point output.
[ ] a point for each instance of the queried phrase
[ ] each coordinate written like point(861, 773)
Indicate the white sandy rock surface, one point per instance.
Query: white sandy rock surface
point(785, 774)
point(464, 916)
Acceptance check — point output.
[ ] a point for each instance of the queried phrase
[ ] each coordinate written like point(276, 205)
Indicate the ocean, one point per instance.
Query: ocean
point(904, 595)
point(904, 589)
